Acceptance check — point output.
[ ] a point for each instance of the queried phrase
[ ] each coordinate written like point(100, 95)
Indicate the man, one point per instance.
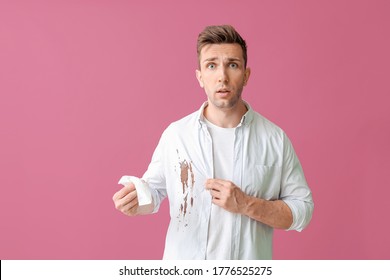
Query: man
point(231, 176)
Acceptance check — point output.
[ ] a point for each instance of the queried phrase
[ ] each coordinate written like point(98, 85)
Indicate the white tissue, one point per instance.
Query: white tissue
point(143, 192)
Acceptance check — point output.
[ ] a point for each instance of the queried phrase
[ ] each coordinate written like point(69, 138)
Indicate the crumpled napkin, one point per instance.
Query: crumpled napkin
point(143, 192)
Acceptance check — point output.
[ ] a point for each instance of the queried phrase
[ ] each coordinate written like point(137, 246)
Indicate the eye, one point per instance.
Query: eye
point(233, 65)
point(210, 66)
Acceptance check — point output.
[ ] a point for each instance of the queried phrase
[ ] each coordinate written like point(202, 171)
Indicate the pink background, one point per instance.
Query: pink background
point(87, 87)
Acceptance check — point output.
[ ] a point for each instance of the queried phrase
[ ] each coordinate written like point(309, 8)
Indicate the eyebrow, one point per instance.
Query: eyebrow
point(229, 59)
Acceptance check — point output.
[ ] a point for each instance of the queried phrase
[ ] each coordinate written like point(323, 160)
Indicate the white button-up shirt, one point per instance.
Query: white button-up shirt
point(265, 166)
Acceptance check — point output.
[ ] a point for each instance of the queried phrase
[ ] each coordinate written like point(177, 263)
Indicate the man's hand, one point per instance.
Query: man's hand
point(126, 200)
point(227, 195)
point(274, 213)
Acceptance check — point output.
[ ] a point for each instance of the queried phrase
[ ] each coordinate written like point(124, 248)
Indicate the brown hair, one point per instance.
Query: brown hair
point(221, 34)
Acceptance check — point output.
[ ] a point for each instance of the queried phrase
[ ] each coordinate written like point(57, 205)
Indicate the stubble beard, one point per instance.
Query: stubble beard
point(227, 103)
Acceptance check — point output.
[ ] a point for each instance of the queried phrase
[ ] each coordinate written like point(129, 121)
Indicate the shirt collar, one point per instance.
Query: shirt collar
point(245, 120)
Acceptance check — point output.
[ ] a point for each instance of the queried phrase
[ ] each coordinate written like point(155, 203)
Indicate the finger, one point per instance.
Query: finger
point(123, 191)
point(218, 181)
point(131, 207)
point(211, 184)
point(129, 197)
point(217, 201)
point(123, 203)
point(215, 194)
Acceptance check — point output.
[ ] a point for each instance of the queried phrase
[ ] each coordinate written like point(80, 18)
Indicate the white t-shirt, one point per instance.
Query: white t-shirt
point(221, 221)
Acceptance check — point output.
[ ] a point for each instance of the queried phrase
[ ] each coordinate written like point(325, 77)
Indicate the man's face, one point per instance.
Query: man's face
point(222, 74)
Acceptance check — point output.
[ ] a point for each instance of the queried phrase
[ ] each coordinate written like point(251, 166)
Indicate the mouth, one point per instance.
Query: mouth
point(223, 91)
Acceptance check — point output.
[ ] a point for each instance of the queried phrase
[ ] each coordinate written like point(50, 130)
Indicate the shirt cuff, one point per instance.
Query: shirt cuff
point(301, 212)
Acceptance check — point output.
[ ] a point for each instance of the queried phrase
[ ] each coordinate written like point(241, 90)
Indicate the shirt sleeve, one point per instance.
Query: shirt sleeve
point(155, 176)
point(295, 191)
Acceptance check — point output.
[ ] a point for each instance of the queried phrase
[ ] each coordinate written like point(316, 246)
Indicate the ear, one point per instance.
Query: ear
point(199, 77)
point(247, 75)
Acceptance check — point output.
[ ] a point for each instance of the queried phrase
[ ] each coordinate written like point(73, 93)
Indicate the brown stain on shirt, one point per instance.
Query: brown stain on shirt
point(186, 172)
point(185, 205)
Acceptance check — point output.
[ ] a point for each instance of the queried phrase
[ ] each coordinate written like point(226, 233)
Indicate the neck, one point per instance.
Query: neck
point(225, 117)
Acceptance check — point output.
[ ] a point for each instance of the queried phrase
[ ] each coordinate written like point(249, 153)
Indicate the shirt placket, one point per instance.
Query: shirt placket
point(237, 179)
point(207, 145)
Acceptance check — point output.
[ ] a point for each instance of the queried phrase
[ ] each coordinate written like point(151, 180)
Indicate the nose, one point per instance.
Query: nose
point(222, 75)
